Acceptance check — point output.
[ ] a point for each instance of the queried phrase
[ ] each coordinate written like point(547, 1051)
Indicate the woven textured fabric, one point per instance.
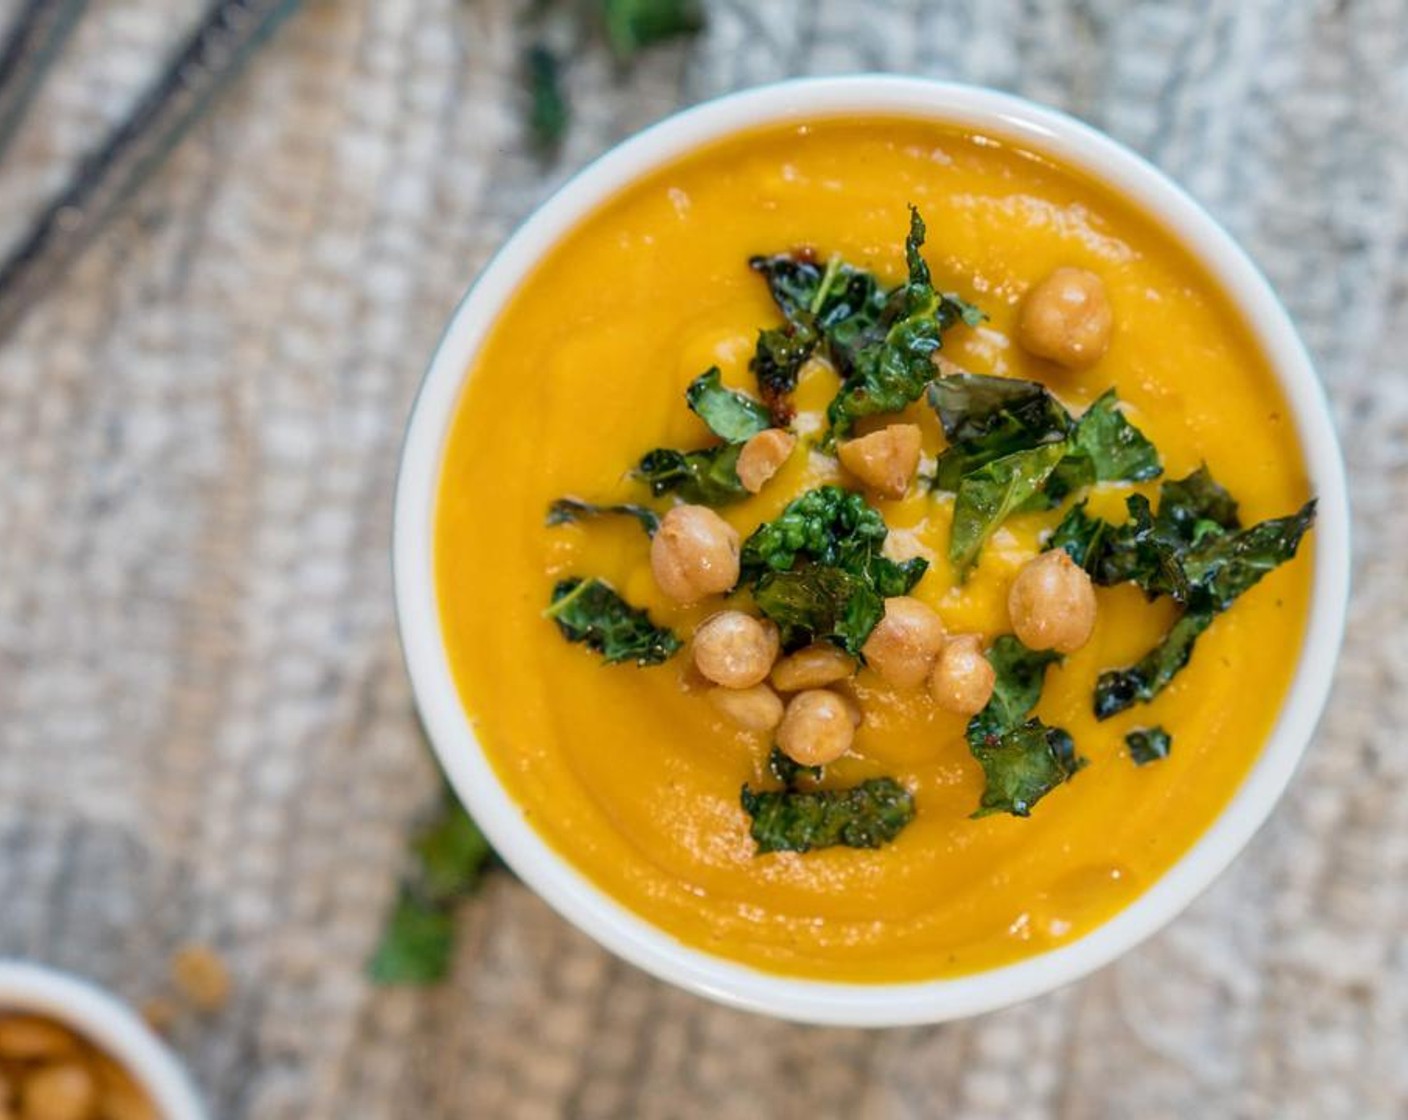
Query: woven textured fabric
point(205, 729)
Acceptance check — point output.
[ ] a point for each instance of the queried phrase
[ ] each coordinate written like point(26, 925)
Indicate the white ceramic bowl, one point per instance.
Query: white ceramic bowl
point(631, 936)
point(109, 1025)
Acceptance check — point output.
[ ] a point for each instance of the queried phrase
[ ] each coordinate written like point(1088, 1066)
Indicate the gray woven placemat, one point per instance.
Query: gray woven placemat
point(205, 730)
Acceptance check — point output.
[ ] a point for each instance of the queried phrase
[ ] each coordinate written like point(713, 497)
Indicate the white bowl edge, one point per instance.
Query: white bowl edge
point(631, 936)
point(109, 1025)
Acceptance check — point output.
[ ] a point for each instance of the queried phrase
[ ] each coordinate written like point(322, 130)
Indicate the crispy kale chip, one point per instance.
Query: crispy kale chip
point(881, 341)
point(566, 511)
point(818, 572)
point(590, 611)
point(1148, 744)
point(1192, 550)
point(708, 476)
point(1022, 758)
point(1014, 448)
point(632, 25)
point(864, 816)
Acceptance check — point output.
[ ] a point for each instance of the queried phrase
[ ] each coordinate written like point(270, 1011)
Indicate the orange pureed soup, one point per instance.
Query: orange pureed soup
point(630, 773)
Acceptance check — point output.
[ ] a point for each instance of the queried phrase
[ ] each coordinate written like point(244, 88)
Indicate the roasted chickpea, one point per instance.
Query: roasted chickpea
point(28, 1038)
point(63, 1091)
point(814, 667)
point(735, 649)
point(904, 643)
point(884, 461)
point(963, 679)
point(1067, 318)
point(762, 457)
point(816, 728)
point(1052, 603)
point(694, 553)
point(754, 709)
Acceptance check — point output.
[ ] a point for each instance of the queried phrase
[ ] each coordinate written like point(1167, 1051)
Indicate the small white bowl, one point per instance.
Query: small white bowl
point(109, 1025)
point(630, 935)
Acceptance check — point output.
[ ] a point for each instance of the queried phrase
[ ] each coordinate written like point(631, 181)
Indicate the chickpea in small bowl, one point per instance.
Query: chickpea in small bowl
point(69, 1051)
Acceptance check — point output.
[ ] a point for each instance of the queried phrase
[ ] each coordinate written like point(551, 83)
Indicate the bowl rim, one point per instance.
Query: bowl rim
point(108, 1024)
point(632, 936)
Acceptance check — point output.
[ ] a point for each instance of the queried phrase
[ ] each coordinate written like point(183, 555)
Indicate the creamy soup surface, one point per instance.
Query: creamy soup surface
point(630, 773)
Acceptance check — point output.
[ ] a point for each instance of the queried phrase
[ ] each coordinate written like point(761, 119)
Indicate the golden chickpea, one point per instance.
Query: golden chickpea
point(1052, 603)
point(202, 976)
point(63, 1091)
point(28, 1038)
point(816, 729)
point(735, 649)
point(904, 643)
point(121, 1097)
point(963, 679)
point(754, 709)
point(884, 461)
point(762, 457)
point(1067, 318)
point(814, 667)
point(694, 553)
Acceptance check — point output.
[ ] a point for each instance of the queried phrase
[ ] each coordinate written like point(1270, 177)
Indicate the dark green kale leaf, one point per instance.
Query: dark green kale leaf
point(789, 772)
point(1020, 675)
point(450, 855)
point(1192, 507)
point(590, 611)
point(814, 602)
point(1118, 689)
point(1144, 551)
point(886, 365)
point(708, 477)
point(565, 511)
point(1105, 447)
point(1082, 536)
point(1221, 568)
point(1192, 551)
point(1022, 758)
point(864, 816)
point(1148, 744)
point(548, 114)
point(634, 24)
point(730, 415)
point(989, 494)
point(987, 418)
point(1022, 766)
point(777, 362)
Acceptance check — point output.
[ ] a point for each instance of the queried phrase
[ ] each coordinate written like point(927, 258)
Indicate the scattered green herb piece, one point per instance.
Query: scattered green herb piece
point(988, 495)
point(708, 477)
point(789, 772)
point(1118, 689)
point(817, 569)
point(1023, 759)
point(547, 113)
point(450, 857)
point(1148, 745)
point(634, 24)
point(1222, 568)
point(730, 415)
point(565, 511)
point(864, 816)
point(1081, 535)
point(590, 611)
